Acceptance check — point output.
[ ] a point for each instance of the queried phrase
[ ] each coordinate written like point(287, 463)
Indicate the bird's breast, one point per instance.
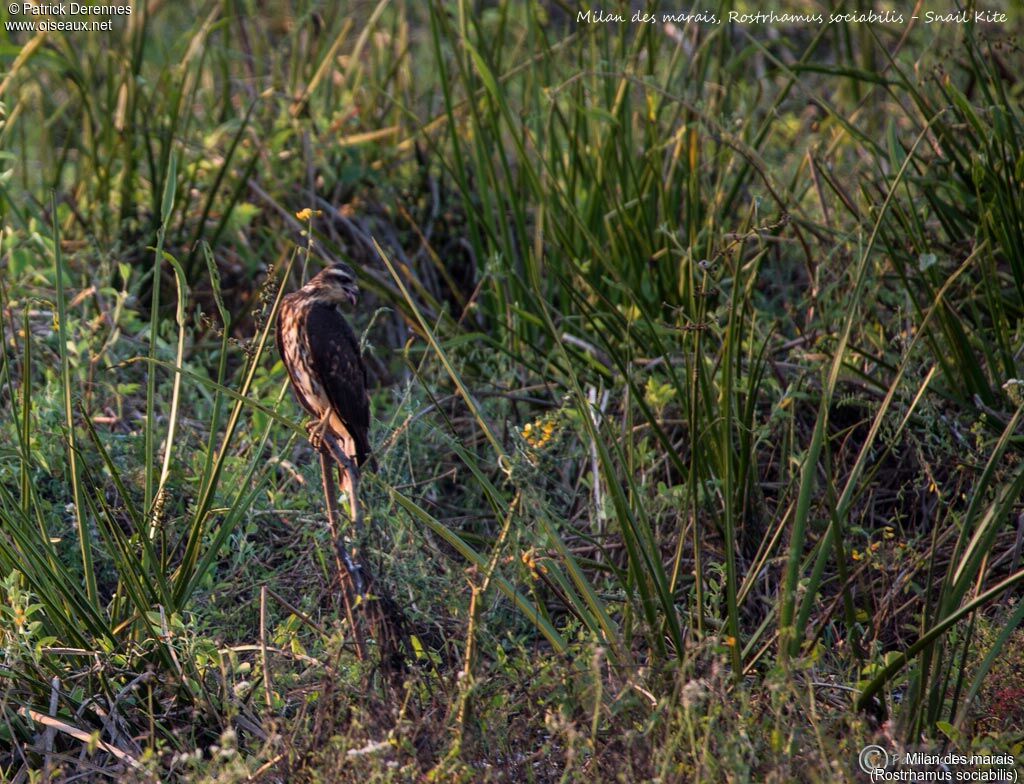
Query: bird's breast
point(298, 358)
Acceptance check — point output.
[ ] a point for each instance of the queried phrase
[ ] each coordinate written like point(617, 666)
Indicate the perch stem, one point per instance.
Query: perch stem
point(348, 572)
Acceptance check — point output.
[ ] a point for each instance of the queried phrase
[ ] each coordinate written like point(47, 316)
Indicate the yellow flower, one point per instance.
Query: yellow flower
point(856, 555)
point(529, 558)
point(657, 394)
point(307, 213)
point(730, 641)
point(538, 433)
point(631, 312)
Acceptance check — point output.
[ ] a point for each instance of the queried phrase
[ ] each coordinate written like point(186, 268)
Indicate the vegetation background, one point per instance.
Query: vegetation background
point(697, 355)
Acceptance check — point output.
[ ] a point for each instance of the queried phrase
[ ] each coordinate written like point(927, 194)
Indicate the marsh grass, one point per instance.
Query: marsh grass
point(698, 412)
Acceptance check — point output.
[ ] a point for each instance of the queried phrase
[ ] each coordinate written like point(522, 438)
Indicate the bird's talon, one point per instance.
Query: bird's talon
point(316, 439)
point(315, 433)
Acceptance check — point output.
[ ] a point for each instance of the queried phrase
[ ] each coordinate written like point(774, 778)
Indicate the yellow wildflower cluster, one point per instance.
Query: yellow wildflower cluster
point(888, 534)
point(658, 395)
point(529, 559)
point(307, 213)
point(857, 555)
point(538, 434)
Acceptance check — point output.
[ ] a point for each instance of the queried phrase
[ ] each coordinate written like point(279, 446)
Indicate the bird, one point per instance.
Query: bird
point(326, 370)
point(321, 354)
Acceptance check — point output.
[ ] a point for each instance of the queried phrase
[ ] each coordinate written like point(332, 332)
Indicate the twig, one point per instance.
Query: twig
point(343, 563)
point(297, 612)
point(281, 652)
point(478, 592)
point(110, 720)
point(265, 767)
point(78, 734)
point(267, 686)
point(51, 732)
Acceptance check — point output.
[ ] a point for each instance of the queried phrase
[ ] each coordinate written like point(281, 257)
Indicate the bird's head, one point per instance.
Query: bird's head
point(334, 284)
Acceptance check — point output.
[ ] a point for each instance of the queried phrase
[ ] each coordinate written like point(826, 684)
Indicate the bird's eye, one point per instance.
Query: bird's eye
point(340, 275)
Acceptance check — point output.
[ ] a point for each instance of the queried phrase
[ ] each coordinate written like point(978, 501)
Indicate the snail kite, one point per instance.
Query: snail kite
point(321, 353)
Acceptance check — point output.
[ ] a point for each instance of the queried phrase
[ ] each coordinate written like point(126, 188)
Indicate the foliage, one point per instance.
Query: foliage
point(697, 423)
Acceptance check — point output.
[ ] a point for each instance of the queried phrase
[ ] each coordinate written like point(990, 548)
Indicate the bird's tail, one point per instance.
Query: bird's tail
point(363, 451)
point(344, 452)
point(348, 477)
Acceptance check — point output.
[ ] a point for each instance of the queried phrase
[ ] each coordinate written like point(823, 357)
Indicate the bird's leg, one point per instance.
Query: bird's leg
point(316, 430)
point(342, 561)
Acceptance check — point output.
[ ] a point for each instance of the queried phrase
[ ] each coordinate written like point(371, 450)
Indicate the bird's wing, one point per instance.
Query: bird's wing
point(284, 316)
point(279, 338)
point(338, 365)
